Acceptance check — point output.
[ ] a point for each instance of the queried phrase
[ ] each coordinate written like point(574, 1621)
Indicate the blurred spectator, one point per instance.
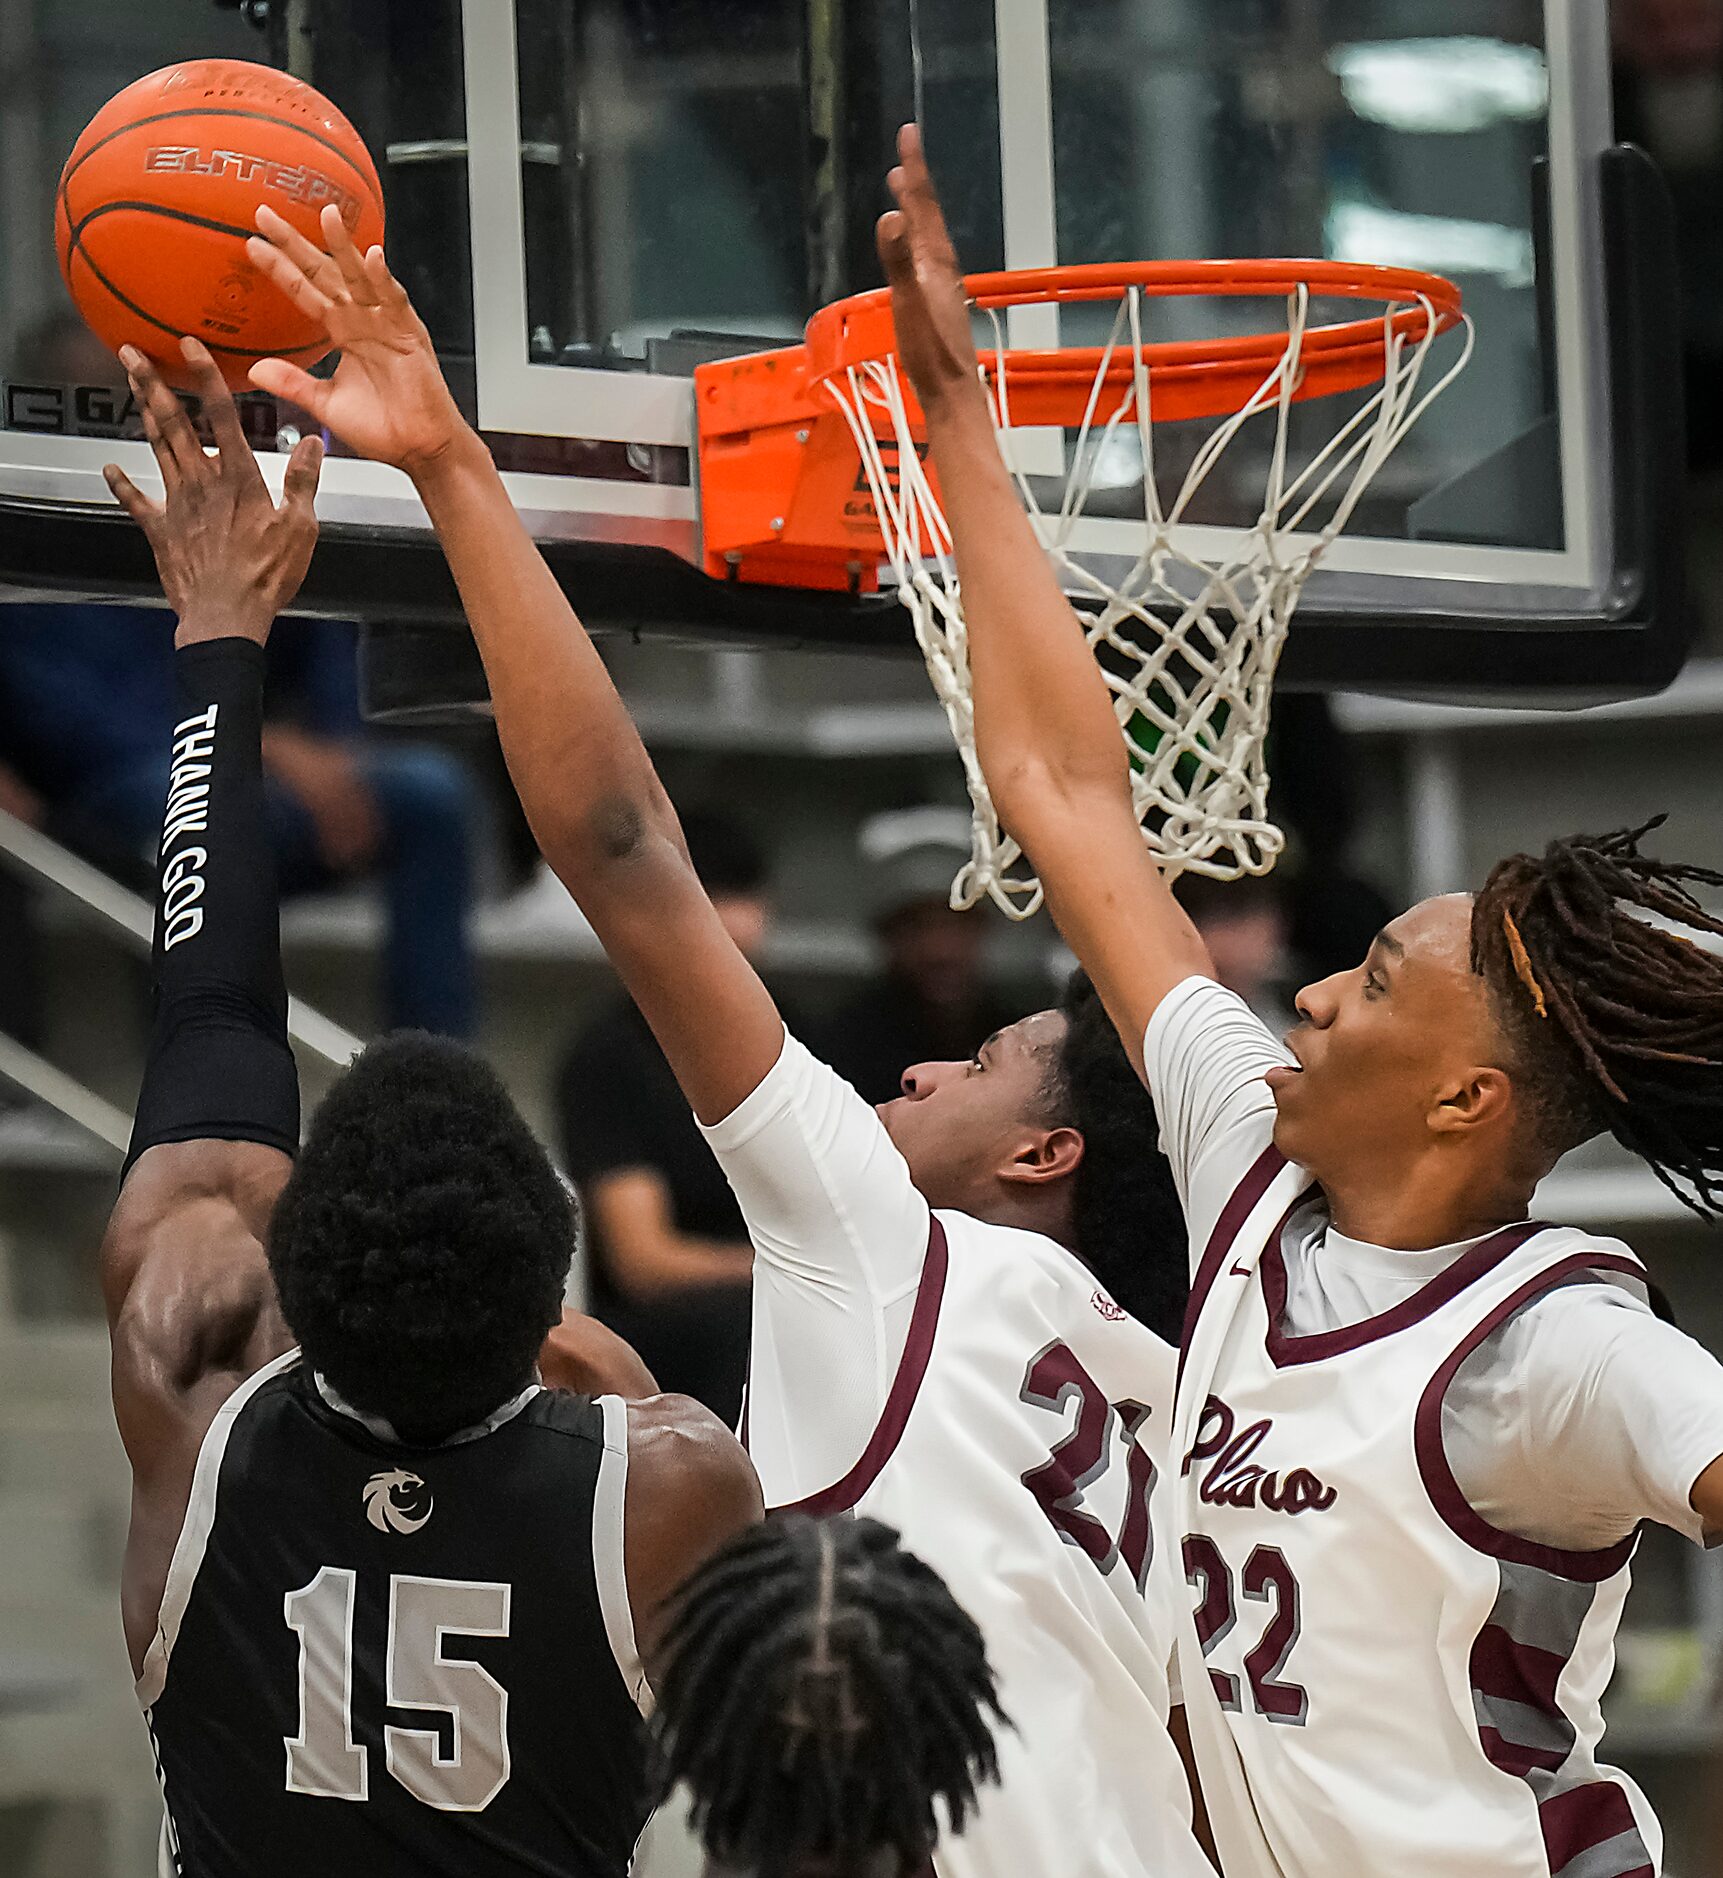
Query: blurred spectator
point(1245, 927)
point(932, 1003)
point(669, 1265)
point(87, 705)
point(87, 699)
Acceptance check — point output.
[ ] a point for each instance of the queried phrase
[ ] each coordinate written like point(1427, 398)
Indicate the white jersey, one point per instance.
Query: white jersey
point(1377, 1679)
point(1017, 1440)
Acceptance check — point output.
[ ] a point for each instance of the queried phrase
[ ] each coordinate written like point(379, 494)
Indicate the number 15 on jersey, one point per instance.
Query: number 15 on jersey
point(324, 1760)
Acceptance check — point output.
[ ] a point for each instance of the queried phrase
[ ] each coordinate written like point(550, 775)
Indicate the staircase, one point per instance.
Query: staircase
point(78, 1797)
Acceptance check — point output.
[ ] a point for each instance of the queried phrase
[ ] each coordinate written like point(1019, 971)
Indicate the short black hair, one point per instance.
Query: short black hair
point(422, 1243)
point(726, 858)
point(1130, 1228)
point(827, 1700)
point(1611, 1009)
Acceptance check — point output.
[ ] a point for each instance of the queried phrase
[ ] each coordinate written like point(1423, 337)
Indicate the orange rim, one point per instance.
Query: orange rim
point(1190, 378)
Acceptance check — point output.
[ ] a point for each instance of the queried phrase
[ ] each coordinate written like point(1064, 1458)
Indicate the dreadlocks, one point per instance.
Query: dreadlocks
point(825, 1694)
point(1618, 1020)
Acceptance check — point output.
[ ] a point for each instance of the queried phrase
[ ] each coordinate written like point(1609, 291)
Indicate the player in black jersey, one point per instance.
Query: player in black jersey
point(387, 1597)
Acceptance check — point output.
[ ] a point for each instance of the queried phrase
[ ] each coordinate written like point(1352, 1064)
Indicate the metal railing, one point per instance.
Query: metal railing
point(28, 851)
point(34, 856)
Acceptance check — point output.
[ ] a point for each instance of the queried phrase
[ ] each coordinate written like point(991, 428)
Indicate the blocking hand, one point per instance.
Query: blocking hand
point(929, 308)
point(388, 399)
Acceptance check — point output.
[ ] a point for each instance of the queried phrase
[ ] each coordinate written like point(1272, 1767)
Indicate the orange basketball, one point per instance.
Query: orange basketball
point(162, 189)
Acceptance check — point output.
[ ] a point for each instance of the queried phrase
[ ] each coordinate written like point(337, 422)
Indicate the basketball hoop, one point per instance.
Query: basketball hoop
point(1189, 642)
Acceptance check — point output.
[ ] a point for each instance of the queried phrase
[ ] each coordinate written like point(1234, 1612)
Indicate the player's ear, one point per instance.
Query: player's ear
point(1477, 1098)
point(1045, 1154)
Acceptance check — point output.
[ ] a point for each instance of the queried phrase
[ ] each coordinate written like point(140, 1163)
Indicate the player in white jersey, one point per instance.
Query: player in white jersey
point(968, 1382)
point(1418, 1429)
point(940, 1336)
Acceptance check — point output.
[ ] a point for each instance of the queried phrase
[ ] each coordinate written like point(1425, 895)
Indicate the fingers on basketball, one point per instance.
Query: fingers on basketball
point(219, 408)
point(166, 424)
point(307, 277)
point(347, 257)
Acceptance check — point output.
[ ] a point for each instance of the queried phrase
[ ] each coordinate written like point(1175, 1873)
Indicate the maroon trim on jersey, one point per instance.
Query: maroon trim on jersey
point(905, 1386)
point(1514, 1757)
point(1583, 1818)
point(1507, 1670)
point(1439, 1483)
point(1447, 1285)
point(1226, 1229)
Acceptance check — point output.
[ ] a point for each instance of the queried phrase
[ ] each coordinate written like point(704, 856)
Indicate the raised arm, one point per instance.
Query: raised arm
point(598, 812)
point(1045, 732)
point(191, 1309)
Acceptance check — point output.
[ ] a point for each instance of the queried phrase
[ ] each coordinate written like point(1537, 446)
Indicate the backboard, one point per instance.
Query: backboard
point(587, 198)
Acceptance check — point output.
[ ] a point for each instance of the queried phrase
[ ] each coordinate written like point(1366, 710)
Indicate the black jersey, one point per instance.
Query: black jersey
point(400, 1662)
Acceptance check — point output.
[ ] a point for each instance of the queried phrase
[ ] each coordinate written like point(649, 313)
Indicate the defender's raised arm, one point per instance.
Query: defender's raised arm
point(598, 812)
point(1044, 726)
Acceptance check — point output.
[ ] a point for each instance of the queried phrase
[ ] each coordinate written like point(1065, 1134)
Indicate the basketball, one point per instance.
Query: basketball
point(162, 189)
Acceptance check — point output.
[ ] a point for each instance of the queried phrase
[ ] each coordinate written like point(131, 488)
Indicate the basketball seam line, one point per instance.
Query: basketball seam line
point(161, 209)
point(77, 250)
point(260, 117)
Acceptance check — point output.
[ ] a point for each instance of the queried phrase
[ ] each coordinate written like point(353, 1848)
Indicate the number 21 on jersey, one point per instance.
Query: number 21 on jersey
point(1054, 1380)
point(324, 1760)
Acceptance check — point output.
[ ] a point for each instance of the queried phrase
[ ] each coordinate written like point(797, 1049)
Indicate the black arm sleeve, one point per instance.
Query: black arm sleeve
point(220, 1067)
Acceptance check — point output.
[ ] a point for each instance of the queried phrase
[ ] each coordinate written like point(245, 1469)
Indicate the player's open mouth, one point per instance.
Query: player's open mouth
point(1282, 1074)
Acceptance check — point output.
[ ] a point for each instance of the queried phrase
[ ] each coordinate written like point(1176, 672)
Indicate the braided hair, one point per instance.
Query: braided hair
point(826, 1701)
point(1617, 1020)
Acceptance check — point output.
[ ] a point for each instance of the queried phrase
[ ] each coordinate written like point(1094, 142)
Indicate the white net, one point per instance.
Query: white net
point(1189, 645)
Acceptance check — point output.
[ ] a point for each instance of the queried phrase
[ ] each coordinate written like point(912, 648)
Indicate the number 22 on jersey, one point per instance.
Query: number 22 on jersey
point(324, 1760)
point(1267, 1578)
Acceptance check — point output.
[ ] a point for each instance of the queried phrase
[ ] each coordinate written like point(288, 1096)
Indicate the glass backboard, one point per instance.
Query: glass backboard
point(587, 198)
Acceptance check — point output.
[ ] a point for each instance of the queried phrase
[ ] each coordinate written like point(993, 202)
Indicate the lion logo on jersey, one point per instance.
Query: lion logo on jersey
point(397, 1501)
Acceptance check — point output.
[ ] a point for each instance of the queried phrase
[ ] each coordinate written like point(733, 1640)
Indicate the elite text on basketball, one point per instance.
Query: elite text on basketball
point(297, 181)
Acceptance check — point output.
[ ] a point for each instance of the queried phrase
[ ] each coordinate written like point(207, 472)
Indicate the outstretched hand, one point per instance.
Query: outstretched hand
point(388, 399)
point(228, 557)
point(929, 306)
